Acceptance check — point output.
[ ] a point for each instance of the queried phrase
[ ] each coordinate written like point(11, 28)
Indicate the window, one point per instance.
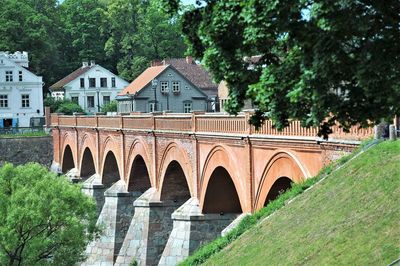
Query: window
point(20, 75)
point(187, 107)
point(9, 76)
point(176, 86)
point(75, 99)
point(90, 101)
point(25, 100)
point(106, 100)
point(113, 82)
point(152, 107)
point(3, 101)
point(164, 86)
point(103, 82)
point(92, 82)
point(82, 83)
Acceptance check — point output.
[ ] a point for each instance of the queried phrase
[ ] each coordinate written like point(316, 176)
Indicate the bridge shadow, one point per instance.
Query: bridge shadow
point(68, 160)
point(281, 185)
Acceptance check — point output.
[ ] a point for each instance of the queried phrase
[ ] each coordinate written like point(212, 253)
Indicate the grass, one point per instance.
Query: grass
point(350, 218)
point(205, 252)
point(24, 135)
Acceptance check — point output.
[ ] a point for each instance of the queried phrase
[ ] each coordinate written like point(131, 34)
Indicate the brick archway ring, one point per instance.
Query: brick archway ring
point(281, 164)
point(219, 156)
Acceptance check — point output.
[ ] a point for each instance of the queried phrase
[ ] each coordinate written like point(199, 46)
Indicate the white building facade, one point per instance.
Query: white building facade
point(91, 86)
point(21, 92)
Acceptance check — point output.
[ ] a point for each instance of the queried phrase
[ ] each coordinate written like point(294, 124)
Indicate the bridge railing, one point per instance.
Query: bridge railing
point(212, 123)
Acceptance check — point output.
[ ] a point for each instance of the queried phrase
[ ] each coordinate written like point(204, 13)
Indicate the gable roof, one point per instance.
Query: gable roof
point(64, 81)
point(196, 73)
point(143, 79)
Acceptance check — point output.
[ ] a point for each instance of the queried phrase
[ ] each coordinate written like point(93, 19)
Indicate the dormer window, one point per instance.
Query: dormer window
point(20, 76)
point(176, 87)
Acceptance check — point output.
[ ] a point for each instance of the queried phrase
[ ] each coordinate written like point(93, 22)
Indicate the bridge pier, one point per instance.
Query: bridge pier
point(191, 229)
point(114, 219)
point(94, 188)
point(149, 230)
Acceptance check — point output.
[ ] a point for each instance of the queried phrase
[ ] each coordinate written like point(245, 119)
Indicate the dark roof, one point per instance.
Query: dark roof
point(194, 73)
point(62, 82)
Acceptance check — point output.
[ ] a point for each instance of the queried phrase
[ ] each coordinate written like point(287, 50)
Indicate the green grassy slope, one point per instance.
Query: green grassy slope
point(350, 218)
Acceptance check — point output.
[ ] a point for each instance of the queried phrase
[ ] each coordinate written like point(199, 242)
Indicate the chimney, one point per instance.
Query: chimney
point(85, 64)
point(92, 63)
point(189, 60)
point(156, 62)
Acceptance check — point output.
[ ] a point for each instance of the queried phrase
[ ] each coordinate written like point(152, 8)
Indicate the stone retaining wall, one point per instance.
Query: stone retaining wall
point(26, 149)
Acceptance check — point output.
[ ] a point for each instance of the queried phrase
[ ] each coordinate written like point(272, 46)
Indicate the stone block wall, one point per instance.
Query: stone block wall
point(27, 149)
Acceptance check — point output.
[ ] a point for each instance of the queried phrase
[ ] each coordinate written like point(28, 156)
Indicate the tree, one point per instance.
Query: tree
point(322, 62)
point(68, 108)
point(44, 220)
point(140, 31)
point(31, 26)
point(110, 107)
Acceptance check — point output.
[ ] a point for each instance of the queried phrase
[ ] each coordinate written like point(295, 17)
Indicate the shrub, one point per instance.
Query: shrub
point(110, 107)
point(68, 108)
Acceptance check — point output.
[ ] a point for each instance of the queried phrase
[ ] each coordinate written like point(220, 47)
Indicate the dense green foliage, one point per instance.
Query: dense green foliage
point(318, 59)
point(27, 134)
point(349, 218)
point(68, 108)
point(123, 36)
point(44, 220)
point(111, 107)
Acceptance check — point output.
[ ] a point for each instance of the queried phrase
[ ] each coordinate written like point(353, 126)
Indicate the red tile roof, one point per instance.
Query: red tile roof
point(61, 83)
point(143, 79)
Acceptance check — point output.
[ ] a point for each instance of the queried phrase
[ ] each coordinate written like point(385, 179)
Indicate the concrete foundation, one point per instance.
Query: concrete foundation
point(114, 219)
point(191, 229)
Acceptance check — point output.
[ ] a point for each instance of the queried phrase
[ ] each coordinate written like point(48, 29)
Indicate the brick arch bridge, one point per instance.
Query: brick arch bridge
point(198, 172)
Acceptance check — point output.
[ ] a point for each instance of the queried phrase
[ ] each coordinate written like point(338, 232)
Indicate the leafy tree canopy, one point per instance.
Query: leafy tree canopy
point(44, 220)
point(110, 107)
point(67, 107)
point(321, 61)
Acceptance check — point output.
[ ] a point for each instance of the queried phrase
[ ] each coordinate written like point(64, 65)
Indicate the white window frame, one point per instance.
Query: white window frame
point(152, 107)
point(101, 81)
point(20, 77)
point(73, 99)
point(3, 100)
point(164, 86)
point(108, 101)
point(25, 101)
point(113, 83)
point(9, 76)
point(176, 86)
point(187, 107)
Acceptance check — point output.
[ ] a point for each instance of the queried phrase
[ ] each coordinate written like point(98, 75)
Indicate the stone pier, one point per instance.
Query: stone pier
point(114, 220)
point(149, 230)
point(94, 188)
point(191, 229)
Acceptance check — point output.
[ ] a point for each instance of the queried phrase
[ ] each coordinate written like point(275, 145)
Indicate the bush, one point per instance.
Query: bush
point(110, 107)
point(68, 108)
point(52, 103)
point(44, 219)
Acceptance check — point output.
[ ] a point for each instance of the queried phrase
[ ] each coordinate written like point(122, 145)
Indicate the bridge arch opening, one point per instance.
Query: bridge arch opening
point(221, 195)
point(175, 187)
point(68, 160)
point(139, 179)
point(87, 165)
point(280, 186)
point(110, 170)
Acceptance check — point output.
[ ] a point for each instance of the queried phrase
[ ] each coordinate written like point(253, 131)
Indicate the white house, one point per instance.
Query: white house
point(91, 86)
point(21, 92)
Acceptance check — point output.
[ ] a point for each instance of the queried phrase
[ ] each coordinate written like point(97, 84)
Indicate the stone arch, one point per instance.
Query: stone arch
point(139, 148)
point(87, 164)
point(282, 166)
point(280, 185)
point(221, 195)
point(87, 141)
point(174, 153)
point(139, 179)
point(220, 157)
point(67, 159)
point(110, 173)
